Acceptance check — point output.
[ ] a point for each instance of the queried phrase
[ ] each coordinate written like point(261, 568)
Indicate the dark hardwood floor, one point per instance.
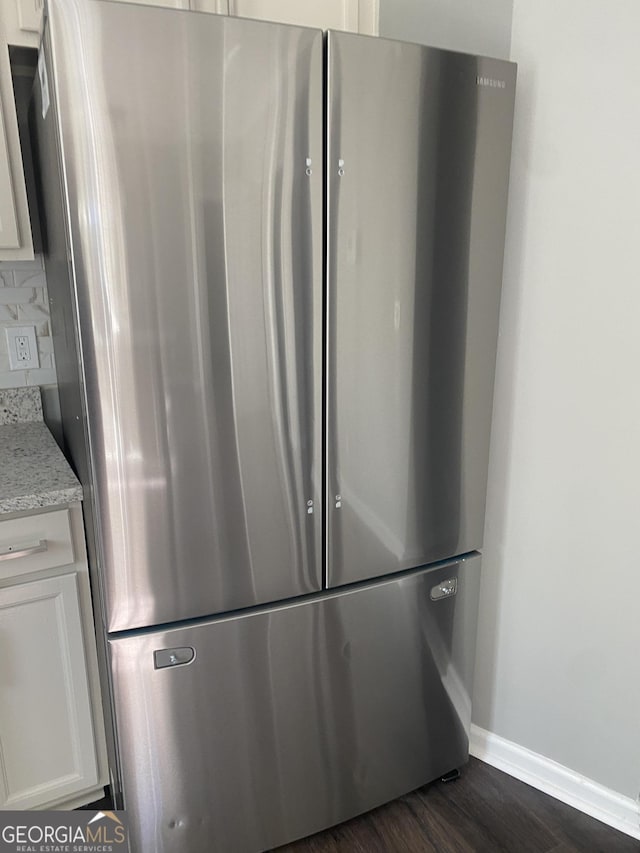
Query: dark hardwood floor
point(485, 811)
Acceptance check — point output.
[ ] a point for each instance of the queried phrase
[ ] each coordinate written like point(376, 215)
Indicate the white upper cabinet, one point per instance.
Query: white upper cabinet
point(19, 25)
point(358, 16)
point(15, 228)
point(29, 15)
point(221, 7)
point(324, 14)
point(9, 234)
point(355, 15)
point(30, 11)
point(169, 4)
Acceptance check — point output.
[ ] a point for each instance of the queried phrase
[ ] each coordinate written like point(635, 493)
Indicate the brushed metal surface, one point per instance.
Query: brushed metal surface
point(49, 184)
point(196, 242)
point(294, 718)
point(11, 554)
point(418, 164)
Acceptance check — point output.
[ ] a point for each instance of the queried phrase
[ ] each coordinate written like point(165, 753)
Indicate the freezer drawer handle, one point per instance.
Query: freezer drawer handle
point(445, 589)
point(11, 554)
point(173, 657)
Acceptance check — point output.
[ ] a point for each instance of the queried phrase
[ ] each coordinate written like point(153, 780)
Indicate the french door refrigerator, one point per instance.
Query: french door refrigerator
point(274, 260)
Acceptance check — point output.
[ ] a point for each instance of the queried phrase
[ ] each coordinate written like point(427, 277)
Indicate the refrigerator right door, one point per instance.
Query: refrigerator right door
point(419, 146)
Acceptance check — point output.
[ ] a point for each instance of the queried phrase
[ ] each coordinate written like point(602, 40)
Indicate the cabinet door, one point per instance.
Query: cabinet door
point(358, 16)
point(170, 4)
point(47, 748)
point(15, 227)
point(29, 14)
point(9, 237)
point(221, 7)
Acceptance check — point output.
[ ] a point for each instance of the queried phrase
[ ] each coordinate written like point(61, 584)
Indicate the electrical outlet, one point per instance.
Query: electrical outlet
point(22, 346)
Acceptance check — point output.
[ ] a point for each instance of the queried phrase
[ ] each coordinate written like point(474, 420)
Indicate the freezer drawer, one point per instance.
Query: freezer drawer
point(417, 195)
point(243, 733)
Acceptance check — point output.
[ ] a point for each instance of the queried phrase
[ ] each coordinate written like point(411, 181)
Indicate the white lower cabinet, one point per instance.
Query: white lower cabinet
point(47, 742)
point(52, 735)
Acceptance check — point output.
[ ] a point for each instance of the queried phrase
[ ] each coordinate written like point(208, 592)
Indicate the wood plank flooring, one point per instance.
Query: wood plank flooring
point(485, 811)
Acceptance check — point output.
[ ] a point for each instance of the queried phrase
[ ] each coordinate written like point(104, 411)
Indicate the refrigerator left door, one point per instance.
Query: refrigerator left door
point(192, 159)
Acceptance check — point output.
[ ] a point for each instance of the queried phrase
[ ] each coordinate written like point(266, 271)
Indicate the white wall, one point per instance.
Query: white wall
point(558, 667)
point(470, 26)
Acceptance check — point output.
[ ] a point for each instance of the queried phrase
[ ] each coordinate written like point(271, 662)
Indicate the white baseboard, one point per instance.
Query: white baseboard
point(566, 785)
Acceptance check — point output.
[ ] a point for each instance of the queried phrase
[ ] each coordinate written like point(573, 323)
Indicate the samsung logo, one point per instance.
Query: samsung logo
point(491, 82)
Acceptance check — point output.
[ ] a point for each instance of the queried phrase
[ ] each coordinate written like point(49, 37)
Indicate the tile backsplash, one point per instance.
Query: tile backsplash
point(24, 302)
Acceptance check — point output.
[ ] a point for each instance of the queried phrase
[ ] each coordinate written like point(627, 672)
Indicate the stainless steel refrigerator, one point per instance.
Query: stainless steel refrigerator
point(275, 262)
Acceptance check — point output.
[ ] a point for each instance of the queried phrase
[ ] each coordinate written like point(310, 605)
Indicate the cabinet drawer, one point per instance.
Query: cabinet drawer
point(34, 543)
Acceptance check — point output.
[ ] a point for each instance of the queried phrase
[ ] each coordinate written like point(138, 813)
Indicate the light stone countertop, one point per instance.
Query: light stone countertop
point(33, 470)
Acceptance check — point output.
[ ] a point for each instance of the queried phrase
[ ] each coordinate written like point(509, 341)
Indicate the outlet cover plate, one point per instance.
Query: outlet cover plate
point(22, 347)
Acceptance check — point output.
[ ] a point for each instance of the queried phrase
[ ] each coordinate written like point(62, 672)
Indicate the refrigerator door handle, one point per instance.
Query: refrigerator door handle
point(163, 658)
point(11, 554)
point(445, 589)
